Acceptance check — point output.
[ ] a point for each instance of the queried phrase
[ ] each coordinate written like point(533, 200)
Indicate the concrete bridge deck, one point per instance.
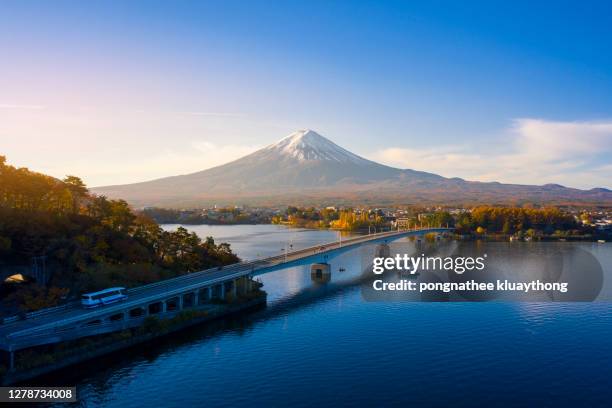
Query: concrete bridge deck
point(194, 290)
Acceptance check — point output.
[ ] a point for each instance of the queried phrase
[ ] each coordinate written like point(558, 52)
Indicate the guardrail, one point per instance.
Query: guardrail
point(264, 260)
point(19, 341)
point(53, 309)
point(253, 264)
point(38, 313)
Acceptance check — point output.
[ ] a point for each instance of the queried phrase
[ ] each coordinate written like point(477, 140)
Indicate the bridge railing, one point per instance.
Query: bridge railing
point(37, 313)
point(259, 262)
point(267, 261)
point(254, 264)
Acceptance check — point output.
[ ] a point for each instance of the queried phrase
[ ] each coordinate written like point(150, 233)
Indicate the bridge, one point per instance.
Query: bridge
point(167, 298)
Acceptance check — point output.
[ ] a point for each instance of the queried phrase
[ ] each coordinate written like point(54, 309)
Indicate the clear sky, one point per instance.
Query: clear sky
point(127, 91)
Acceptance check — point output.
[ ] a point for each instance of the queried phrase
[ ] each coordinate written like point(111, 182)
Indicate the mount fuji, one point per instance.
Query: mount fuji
point(307, 168)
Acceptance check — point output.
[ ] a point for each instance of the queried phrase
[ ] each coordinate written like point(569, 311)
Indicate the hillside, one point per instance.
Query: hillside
point(57, 240)
point(307, 168)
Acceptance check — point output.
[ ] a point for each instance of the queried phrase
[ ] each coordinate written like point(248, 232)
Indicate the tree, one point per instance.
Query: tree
point(507, 229)
point(78, 191)
point(89, 241)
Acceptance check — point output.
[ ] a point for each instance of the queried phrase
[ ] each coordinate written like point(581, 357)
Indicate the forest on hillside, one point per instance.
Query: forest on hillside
point(344, 219)
point(84, 242)
point(476, 221)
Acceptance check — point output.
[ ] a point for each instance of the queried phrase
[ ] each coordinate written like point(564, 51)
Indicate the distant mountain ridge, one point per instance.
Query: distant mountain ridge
point(307, 168)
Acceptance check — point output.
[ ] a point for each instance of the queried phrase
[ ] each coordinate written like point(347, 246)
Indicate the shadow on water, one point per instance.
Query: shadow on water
point(102, 372)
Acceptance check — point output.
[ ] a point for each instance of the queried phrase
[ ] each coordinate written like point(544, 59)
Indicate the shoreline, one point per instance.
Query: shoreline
point(466, 237)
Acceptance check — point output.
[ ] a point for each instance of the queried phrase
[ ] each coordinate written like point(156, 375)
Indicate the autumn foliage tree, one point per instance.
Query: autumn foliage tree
point(89, 242)
point(511, 220)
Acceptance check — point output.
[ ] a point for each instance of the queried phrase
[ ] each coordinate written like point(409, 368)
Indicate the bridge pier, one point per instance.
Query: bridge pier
point(243, 285)
point(320, 272)
point(178, 293)
point(383, 251)
point(187, 300)
point(204, 295)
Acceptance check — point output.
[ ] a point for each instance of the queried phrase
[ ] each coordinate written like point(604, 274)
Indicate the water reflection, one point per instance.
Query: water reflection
point(317, 343)
point(535, 271)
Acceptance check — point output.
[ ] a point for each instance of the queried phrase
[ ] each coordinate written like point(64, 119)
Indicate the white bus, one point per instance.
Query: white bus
point(103, 297)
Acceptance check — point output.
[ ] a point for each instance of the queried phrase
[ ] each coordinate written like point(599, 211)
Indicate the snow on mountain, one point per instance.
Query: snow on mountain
point(307, 144)
point(306, 166)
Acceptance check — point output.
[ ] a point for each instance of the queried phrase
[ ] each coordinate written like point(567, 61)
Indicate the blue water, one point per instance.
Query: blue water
point(323, 345)
point(257, 241)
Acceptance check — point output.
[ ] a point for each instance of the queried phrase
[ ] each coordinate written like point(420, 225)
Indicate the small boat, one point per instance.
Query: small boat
point(601, 241)
point(341, 269)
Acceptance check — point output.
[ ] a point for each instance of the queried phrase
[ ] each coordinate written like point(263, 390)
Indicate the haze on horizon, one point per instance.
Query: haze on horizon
point(123, 92)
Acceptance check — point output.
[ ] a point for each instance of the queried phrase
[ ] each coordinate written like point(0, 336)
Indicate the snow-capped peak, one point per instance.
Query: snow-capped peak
point(307, 145)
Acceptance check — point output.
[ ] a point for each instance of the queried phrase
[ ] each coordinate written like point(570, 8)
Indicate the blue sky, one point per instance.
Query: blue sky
point(507, 91)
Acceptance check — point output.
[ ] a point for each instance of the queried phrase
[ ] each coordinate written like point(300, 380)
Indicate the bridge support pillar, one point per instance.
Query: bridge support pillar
point(179, 305)
point(164, 307)
point(320, 272)
point(383, 251)
point(245, 285)
point(223, 291)
point(196, 298)
point(234, 288)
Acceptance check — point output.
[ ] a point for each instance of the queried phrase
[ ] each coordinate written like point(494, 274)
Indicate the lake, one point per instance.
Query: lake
point(322, 343)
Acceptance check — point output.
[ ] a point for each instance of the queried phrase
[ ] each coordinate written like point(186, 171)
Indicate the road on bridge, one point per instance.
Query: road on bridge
point(57, 317)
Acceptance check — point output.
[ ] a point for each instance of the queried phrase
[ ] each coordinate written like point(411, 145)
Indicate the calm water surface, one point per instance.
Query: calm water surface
point(322, 344)
point(255, 241)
